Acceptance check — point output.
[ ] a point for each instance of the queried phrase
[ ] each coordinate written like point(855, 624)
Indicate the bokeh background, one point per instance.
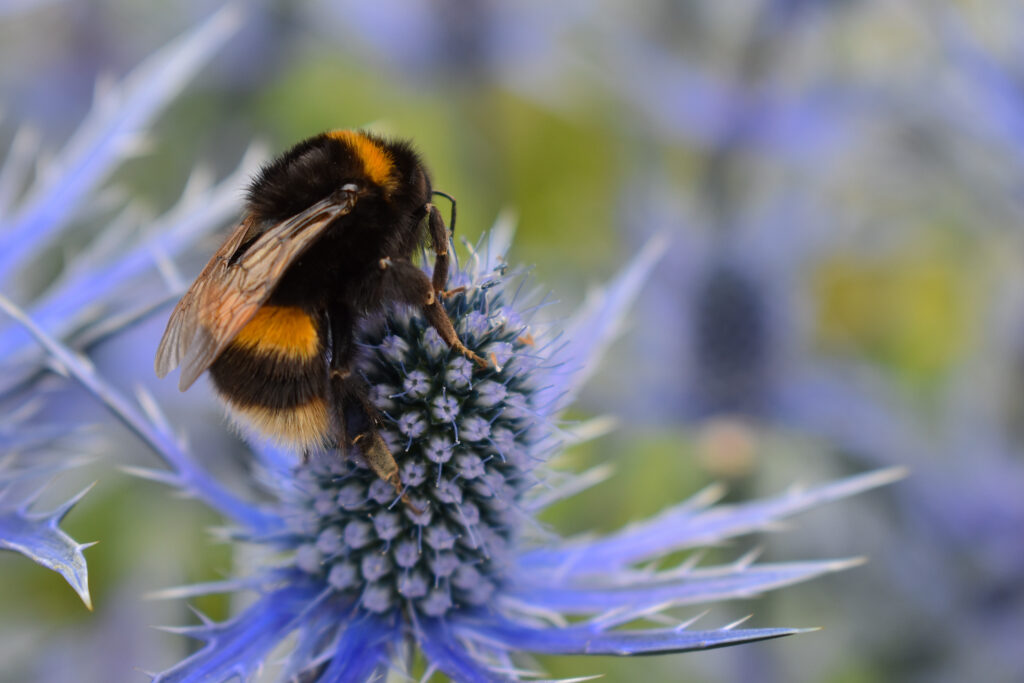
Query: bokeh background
point(842, 184)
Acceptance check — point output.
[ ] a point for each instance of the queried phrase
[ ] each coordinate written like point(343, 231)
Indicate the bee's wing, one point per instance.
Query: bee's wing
point(228, 292)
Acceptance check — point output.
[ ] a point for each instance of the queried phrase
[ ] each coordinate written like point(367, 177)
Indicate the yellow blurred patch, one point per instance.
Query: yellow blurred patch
point(727, 447)
point(906, 310)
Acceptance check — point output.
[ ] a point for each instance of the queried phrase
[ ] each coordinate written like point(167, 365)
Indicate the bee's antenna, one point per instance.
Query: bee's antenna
point(451, 223)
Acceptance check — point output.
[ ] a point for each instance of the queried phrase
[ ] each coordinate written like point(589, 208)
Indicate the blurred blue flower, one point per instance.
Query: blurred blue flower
point(735, 340)
point(117, 279)
point(735, 343)
point(689, 104)
point(982, 94)
point(970, 549)
point(466, 574)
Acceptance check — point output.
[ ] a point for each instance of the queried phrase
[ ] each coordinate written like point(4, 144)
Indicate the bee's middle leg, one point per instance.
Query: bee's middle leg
point(402, 281)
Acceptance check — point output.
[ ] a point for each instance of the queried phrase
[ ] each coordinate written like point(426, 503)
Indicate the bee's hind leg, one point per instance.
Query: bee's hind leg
point(379, 459)
point(357, 415)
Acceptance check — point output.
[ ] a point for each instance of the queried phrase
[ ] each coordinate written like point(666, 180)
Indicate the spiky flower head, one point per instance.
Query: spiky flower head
point(359, 576)
point(464, 439)
point(462, 574)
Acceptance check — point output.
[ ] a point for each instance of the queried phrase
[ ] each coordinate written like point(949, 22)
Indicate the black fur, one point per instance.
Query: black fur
point(253, 378)
point(341, 269)
point(339, 279)
point(359, 263)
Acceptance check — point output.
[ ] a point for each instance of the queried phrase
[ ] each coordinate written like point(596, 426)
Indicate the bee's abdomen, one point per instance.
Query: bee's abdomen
point(273, 378)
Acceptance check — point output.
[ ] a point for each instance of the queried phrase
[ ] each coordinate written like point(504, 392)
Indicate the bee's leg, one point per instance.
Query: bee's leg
point(402, 281)
point(379, 459)
point(378, 456)
point(341, 336)
point(358, 415)
point(439, 241)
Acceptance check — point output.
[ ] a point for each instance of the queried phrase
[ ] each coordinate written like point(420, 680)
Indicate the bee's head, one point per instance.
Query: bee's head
point(387, 175)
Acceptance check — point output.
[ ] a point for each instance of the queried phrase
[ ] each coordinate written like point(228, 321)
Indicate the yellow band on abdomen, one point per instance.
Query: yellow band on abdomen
point(285, 330)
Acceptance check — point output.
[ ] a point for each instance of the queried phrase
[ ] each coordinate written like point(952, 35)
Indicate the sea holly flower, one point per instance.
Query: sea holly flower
point(113, 282)
point(465, 574)
point(28, 463)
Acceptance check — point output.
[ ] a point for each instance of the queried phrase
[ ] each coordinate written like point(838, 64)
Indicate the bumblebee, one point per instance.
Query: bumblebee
point(327, 238)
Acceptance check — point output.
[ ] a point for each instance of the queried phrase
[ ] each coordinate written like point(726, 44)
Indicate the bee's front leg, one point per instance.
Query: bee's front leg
point(439, 242)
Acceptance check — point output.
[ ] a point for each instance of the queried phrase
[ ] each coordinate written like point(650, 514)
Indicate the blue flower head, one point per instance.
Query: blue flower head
point(465, 572)
point(467, 442)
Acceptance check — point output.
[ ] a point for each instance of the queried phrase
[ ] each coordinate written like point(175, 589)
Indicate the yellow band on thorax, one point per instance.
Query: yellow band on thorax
point(377, 161)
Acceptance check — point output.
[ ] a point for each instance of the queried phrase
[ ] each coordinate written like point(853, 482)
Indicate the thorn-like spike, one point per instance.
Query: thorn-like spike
point(691, 562)
point(161, 476)
point(168, 270)
point(207, 621)
point(152, 409)
point(707, 496)
point(28, 500)
point(187, 631)
point(199, 181)
point(428, 673)
point(60, 512)
point(844, 564)
point(729, 627)
point(622, 615)
point(593, 428)
point(683, 625)
point(574, 485)
point(748, 558)
point(196, 590)
point(22, 150)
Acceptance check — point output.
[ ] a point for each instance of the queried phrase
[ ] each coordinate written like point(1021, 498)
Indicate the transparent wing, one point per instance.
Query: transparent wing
point(229, 290)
